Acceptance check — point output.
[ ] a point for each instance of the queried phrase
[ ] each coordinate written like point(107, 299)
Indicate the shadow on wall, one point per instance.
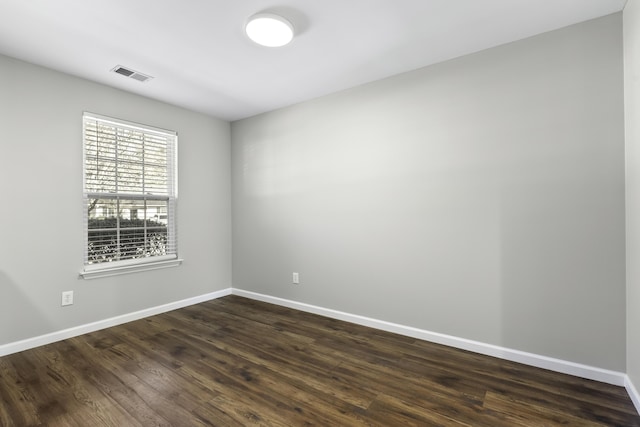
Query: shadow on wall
point(19, 317)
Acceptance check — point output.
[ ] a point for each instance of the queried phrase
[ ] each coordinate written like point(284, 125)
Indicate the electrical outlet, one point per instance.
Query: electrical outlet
point(67, 298)
point(296, 278)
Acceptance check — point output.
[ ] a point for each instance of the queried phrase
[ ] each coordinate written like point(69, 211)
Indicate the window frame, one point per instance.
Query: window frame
point(130, 265)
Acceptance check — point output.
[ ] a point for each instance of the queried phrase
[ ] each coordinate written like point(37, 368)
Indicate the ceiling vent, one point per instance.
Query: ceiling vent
point(131, 74)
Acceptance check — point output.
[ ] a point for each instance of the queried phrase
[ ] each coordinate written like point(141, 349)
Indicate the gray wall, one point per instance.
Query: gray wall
point(632, 138)
point(482, 197)
point(41, 234)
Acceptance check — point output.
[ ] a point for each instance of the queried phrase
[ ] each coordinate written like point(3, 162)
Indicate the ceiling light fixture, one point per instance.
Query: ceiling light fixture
point(269, 30)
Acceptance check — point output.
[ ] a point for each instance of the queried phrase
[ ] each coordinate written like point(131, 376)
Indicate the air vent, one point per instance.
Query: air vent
point(131, 74)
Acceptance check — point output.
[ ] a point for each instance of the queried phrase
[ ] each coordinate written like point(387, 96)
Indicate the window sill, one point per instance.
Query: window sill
point(97, 272)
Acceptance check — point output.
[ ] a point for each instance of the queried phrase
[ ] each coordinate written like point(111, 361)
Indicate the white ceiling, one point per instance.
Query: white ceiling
point(200, 58)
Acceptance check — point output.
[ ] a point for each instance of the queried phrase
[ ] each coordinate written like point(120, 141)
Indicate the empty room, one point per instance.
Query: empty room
point(336, 213)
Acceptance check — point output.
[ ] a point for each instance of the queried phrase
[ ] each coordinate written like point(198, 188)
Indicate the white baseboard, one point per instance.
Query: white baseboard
point(557, 365)
point(633, 393)
point(29, 343)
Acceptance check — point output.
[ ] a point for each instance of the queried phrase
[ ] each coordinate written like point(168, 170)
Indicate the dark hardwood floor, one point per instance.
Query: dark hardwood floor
point(237, 362)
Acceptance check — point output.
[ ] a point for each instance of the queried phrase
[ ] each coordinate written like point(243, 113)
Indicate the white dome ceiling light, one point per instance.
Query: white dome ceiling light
point(267, 29)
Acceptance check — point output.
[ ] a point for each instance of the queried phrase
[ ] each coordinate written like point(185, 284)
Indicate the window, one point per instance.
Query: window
point(130, 192)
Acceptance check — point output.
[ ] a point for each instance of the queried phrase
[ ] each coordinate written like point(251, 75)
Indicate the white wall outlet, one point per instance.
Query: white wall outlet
point(67, 298)
point(296, 278)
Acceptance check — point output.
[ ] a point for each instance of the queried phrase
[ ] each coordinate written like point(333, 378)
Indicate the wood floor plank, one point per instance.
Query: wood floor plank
point(240, 362)
point(304, 364)
point(255, 375)
point(18, 406)
point(392, 411)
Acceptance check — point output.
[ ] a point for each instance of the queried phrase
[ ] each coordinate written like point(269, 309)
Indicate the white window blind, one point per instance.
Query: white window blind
point(130, 194)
